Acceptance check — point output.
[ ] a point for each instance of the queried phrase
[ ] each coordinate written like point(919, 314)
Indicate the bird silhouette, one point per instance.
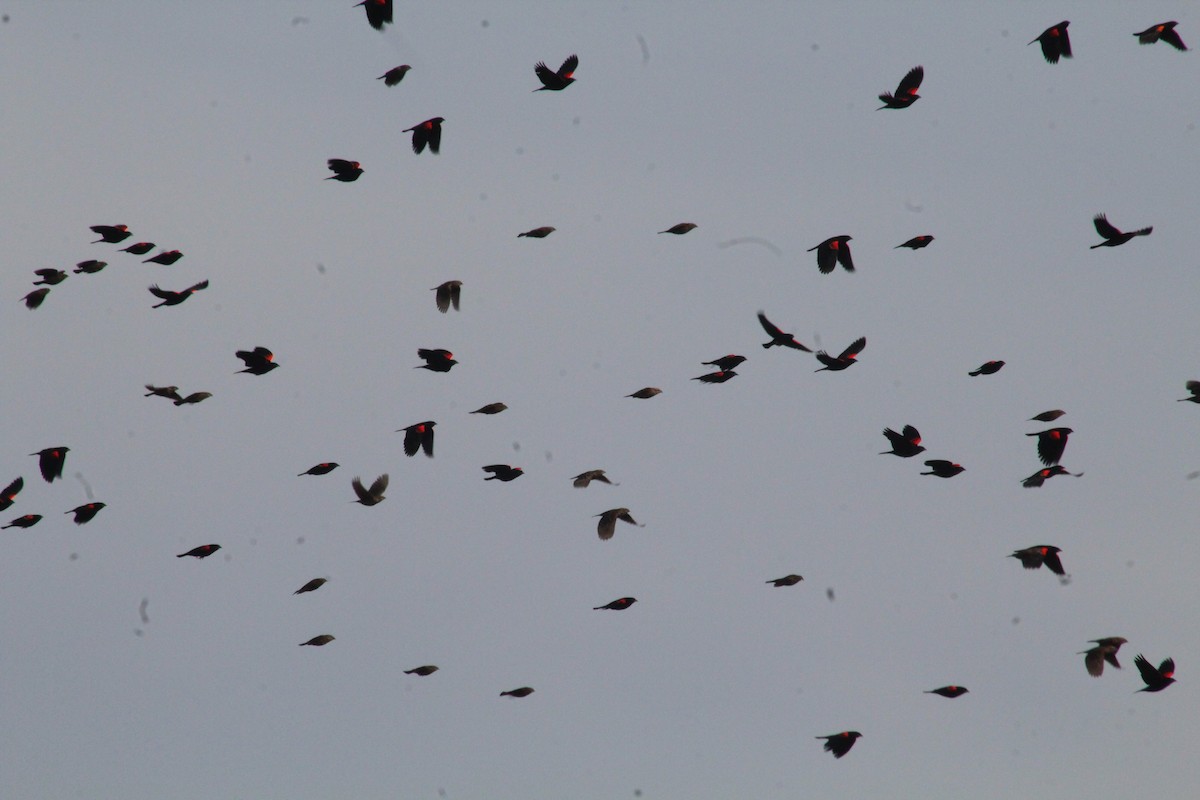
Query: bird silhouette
point(1055, 42)
point(1155, 679)
point(681, 228)
point(394, 75)
point(538, 233)
point(428, 133)
point(170, 298)
point(1051, 444)
point(311, 586)
point(906, 92)
point(987, 368)
point(448, 294)
point(619, 604)
point(258, 361)
point(915, 243)
point(1105, 650)
point(845, 359)
point(1112, 235)
point(1164, 31)
point(786, 580)
point(1034, 557)
point(372, 496)
point(166, 258)
point(318, 641)
point(51, 461)
point(582, 480)
point(949, 691)
point(556, 81)
point(778, 337)
point(203, 551)
point(436, 359)
point(943, 468)
point(9, 494)
point(490, 408)
point(840, 743)
point(608, 522)
point(85, 513)
point(26, 521)
point(343, 170)
point(832, 252)
point(379, 13)
point(324, 468)
point(111, 233)
point(502, 472)
point(905, 444)
point(418, 436)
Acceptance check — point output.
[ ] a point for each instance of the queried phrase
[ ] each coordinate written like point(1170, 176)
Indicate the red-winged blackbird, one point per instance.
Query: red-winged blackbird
point(1055, 42)
point(428, 669)
point(538, 233)
point(379, 13)
point(343, 170)
point(786, 580)
point(35, 298)
point(27, 521)
point(906, 92)
point(987, 368)
point(372, 496)
point(949, 691)
point(1034, 557)
point(51, 461)
point(716, 377)
point(139, 249)
point(916, 243)
point(845, 359)
point(203, 551)
point(943, 468)
point(832, 252)
point(556, 81)
point(448, 294)
point(726, 362)
point(608, 521)
point(418, 437)
point(311, 586)
point(1194, 388)
point(778, 337)
point(524, 691)
point(437, 360)
point(90, 267)
point(169, 392)
point(193, 398)
point(166, 258)
point(111, 233)
point(258, 361)
point(1035, 480)
point(9, 495)
point(324, 468)
point(318, 641)
point(582, 480)
point(617, 605)
point(502, 472)
point(1051, 444)
point(1105, 650)
point(394, 75)
point(170, 298)
point(49, 277)
point(645, 393)
point(905, 444)
point(85, 512)
point(681, 228)
point(1112, 235)
point(1164, 31)
point(840, 743)
point(1156, 679)
point(491, 408)
point(429, 133)
point(1047, 416)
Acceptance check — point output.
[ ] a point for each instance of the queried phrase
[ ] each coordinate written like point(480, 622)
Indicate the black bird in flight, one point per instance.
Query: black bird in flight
point(448, 294)
point(1155, 679)
point(203, 551)
point(111, 233)
point(51, 461)
point(1055, 42)
point(905, 444)
point(1112, 235)
point(845, 359)
point(906, 92)
point(779, 338)
point(1105, 650)
point(394, 75)
point(418, 436)
point(1034, 557)
point(425, 133)
point(840, 743)
point(170, 298)
point(832, 252)
point(258, 361)
point(556, 81)
point(379, 13)
point(343, 170)
point(1164, 31)
point(436, 359)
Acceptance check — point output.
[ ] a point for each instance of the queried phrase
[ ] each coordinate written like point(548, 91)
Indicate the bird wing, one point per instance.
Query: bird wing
point(379, 486)
point(911, 82)
point(855, 348)
point(360, 490)
point(1106, 228)
point(162, 293)
point(911, 434)
point(1149, 674)
point(197, 287)
point(340, 165)
point(569, 66)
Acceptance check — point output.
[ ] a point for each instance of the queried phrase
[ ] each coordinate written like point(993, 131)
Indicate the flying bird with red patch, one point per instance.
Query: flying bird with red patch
point(556, 81)
point(1055, 42)
point(51, 462)
point(840, 743)
point(906, 92)
point(418, 436)
point(111, 233)
point(906, 443)
point(343, 170)
point(845, 359)
point(779, 338)
point(834, 251)
point(170, 298)
point(427, 133)
point(1164, 31)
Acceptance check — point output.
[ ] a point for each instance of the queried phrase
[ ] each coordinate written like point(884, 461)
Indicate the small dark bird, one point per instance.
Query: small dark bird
point(491, 408)
point(786, 580)
point(9, 495)
point(193, 398)
point(324, 468)
point(35, 298)
point(436, 360)
point(258, 361)
point(85, 512)
point(27, 521)
point(645, 393)
point(1194, 388)
point(680, 229)
point(203, 551)
point(169, 392)
point(51, 461)
point(845, 359)
point(379, 13)
point(111, 233)
point(372, 496)
point(949, 691)
point(832, 252)
point(1113, 236)
point(139, 249)
point(170, 298)
point(1047, 416)
point(524, 691)
point(1042, 475)
point(49, 277)
point(987, 368)
point(905, 444)
point(716, 377)
point(1034, 557)
point(318, 641)
point(448, 294)
point(943, 468)
point(166, 258)
point(343, 170)
point(840, 743)
point(726, 362)
point(1055, 42)
point(1164, 31)
point(502, 472)
point(1051, 444)
point(418, 437)
point(538, 233)
point(394, 75)
point(916, 243)
point(778, 337)
point(906, 92)
point(1105, 650)
point(1156, 679)
point(428, 669)
point(618, 605)
point(582, 480)
point(311, 586)
point(608, 522)
point(556, 81)
point(429, 133)
point(90, 267)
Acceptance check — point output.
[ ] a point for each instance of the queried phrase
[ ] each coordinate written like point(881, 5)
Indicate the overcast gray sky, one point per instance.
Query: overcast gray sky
point(205, 127)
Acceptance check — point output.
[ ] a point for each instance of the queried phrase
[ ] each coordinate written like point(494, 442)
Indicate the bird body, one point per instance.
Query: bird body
point(915, 243)
point(491, 408)
point(538, 233)
point(524, 691)
point(1034, 557)
point(646, 393)
point(324, 468)
point(379, 13)
point(111, 233)
point(1035, 480)
point(987, 368)
point(1051, 444)
point(681, 228)
point(394, 75)
point(582, 480)
point(1164, 31)
point(203, 551)
point(166, 258)
point(90, 267)
point(318, 641)
point(786, 580)
point(49, 277)
point(1105, 650)
point(943, 468)
point(9, 495)
point(436, 359)
point(51, 462)
point(428, 669)
point(619, 604)
point(311, 586)
point(949, 691)
point(193, 398)
point(779, 338)
point(35, 298)
point(716, 377)
point(502, 472)
point(85, 513)
point(26, 521)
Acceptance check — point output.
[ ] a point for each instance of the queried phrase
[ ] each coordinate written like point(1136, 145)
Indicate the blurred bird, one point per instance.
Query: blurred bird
point(905, 444)
point(49, 277)
point(85, 512)
point(949, 691)
point(915, 243)
point(582, 480)
point(524, 691)
point(845, 359)
point(429, 133)
point(324, 468)
point(170, 298)
point(51, 461)
point(681, 228)
point(111, 233)
point(1105, 650)
point(90, 267)
point(9, 495)
point(394, 75)
point(1055, 42)
point(725, 363)
point(556, 81)
point(1155, 679)
point(1164, 31)
point(1034, 557)
point(428, 669)
point(786, 580)
point(716, 377)
point(840, 743)
point(379, 13)
point(139, 249)
point(193, 398)
point(418, 437)
point(832, 252)
point(491, 408)
point(987, 368)
point(166, 258)
point(1194, 388)
point(1113, 236)
point(1047, 416)
point(617, 605)
point(436, 360)
point(608, 522)
point(343, 170)
point(943, 468)
point(318, 641)
point(203, 551)
point(35, 298)
point(258, 361)
point(1051, 444)
point(311, 586)
point(1035, 480)
point(645, 393)
point(778, 337)
point(169, 392)
point(372, 496)
point(502, 472)
point(27, 521)
point(906, 92)
point(538, 233)
point(448, 294)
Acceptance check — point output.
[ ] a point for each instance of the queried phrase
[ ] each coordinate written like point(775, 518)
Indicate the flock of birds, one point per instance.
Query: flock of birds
point(419, 437)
